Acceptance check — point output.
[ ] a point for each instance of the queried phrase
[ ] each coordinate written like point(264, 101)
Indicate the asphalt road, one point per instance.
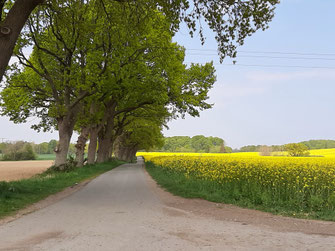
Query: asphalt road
point(124, 210)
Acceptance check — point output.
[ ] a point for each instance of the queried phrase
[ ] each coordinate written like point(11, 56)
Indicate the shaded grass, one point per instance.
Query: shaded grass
point(16, 195)
point(190, 187)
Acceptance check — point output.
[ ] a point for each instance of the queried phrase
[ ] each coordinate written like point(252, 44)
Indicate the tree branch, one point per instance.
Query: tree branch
point(2, 4)
point(129, 109)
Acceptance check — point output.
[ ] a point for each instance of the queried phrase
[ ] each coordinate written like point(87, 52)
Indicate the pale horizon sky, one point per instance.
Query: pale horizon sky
point(271, 104)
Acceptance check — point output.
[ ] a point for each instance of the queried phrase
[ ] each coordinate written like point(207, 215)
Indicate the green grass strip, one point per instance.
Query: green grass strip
point(16, 195)
point(46, 157)
point(189, 187)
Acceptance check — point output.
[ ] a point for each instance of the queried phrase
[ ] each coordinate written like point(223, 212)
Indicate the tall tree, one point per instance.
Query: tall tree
point(52, 84)
point(232, 21)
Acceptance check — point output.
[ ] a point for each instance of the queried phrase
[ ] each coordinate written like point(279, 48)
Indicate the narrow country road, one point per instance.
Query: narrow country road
point(124, 210)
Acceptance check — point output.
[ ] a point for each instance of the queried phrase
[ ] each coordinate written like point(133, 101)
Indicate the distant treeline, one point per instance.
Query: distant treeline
point(311, 144)
point(198, 144)
point(49, 147)
point(22, 150)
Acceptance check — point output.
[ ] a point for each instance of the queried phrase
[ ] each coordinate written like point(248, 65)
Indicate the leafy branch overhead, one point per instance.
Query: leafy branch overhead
point(231, 20)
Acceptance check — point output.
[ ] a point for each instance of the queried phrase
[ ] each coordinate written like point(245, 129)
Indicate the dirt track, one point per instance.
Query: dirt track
point(16, 170)
point(125, 210)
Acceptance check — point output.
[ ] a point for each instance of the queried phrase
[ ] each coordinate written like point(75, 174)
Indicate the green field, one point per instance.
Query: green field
point(46, 157)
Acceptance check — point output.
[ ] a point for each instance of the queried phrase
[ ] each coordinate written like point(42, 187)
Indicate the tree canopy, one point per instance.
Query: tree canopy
point(296, 149)
point(91, 79)
point(232, 21)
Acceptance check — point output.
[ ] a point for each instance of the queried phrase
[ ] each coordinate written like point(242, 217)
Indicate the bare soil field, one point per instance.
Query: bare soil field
point(17, 170)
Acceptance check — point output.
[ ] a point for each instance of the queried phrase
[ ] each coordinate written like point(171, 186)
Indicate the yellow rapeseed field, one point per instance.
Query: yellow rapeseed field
point(305, 182)
point(329, 153)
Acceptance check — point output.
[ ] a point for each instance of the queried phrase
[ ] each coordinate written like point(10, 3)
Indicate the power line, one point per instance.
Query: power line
point(270, 52)
point(277, 57)
point(282, 66)
point(275, 66)
point(289, 53)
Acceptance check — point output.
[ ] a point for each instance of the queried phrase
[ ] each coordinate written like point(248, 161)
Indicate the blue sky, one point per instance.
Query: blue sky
point(260, 105)
point(272, 105)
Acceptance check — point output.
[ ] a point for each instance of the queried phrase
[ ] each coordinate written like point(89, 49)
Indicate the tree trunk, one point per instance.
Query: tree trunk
point(125, 153)
point(128, 154)
point(119, 153)
point(111, 148)
point(11, 27)
point(105, 139)
point(116, 148)
point(133, 152)
point(104, 145)
point(80, 146)
point(65, 130)
point(92, 147)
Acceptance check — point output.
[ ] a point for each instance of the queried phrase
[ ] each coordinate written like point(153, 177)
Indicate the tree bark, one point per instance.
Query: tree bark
point(126, 153)
point(92, 147)
point(65, 130)
point(133, 153)
point(111, 148)
point(106, 137)
point(11, 27)
point(118, 153)
point(105, 140)
point(80, 146)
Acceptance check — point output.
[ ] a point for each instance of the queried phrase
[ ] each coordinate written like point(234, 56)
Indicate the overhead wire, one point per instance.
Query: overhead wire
point(277, 57)
point(269, 52)
point(271, 66)
point(325, 57)
point(282, 66)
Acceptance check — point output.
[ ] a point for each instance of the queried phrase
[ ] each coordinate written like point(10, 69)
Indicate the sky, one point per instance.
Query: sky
point(271, 105)
point(262, 99)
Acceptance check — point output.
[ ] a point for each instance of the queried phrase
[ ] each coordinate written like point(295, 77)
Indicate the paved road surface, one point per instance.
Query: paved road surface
point(124, 210)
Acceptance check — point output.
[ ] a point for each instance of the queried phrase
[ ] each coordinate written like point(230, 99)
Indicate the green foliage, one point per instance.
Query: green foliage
point(19, 151)
point(51, 146)
point(319, 144)
point(228, 149)
point(296, 149)
point(311, 144)
point(41, 148)
point(249, 148)
point(198, 143)
point(16, 195)
point(3, 146)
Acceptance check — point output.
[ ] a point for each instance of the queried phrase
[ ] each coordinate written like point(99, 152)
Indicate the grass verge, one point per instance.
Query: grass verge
point(189, 187)
point(16, 195)
point(46, 157)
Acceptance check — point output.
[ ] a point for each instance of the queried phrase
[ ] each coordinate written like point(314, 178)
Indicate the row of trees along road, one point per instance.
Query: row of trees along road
point(109, 69)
